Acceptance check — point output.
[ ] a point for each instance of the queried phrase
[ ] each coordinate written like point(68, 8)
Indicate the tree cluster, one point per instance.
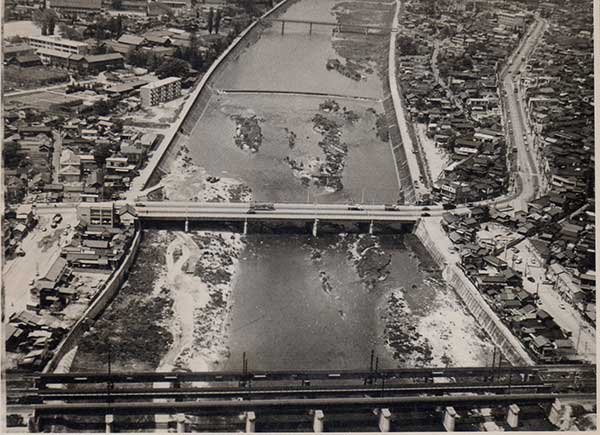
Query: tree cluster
point(214, 20)
point(70, 32)
point(46, 19)
point(407, 46)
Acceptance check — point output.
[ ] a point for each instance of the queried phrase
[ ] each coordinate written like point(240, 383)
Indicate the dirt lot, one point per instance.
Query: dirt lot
point(32, 77)
point(41, 100)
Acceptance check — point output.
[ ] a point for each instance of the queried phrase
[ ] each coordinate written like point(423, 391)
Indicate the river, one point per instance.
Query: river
point(296, 62)
point(290, 300)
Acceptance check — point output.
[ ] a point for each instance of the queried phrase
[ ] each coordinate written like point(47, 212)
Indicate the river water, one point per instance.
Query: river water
point(281, 314)
point(294, 62)
point(297, 301)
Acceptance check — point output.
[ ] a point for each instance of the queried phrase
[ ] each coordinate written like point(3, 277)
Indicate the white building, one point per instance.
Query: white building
point(56, 43)
point(511, 20)
point(160, 91)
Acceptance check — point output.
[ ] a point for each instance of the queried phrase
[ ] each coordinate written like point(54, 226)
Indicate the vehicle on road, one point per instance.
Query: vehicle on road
point(562, 306)
point(355, 208)
point(57, 218)
point(139, 204)
point(530, 279)
point(20, 252)
point(425, 215)
point(515, 249)
point(53, 225)
point(390, 207)
point(518, 260)
point(262, 207)
point(448, 206)
point(425, 209)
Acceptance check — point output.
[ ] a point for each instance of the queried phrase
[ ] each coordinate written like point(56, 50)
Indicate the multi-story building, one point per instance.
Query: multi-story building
point(101, 214)
point(77, 6)
point(57, 44)
point(511, 20)
point(160, 91)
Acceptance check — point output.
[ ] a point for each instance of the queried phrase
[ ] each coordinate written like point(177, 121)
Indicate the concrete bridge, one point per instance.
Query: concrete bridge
point(336, 27)
point(188, 211)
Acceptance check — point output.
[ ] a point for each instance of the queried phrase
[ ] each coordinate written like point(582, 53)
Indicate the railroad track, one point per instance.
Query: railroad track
point(145, 393)
point(550, 371)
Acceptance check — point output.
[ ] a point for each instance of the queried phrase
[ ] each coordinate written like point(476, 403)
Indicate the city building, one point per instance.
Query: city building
point(160, 91)
point(100, 214)
point(511, 20)
point(48, 44)
point(76, 6)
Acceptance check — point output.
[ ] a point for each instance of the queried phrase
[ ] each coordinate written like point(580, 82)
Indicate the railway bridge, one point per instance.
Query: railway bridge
point(393, 399)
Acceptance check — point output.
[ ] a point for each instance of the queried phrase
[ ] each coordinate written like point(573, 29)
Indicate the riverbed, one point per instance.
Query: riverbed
point(290, 300)
point(278, 82)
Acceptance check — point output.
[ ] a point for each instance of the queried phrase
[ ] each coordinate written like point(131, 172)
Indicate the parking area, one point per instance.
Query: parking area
point(41, 247)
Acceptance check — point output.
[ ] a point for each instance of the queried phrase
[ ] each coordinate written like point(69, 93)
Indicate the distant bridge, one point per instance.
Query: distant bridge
point(365, 29)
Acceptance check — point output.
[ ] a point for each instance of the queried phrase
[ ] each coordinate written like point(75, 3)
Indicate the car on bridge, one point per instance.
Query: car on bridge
point(391, 207)
point(355, 208)
point(260, 207)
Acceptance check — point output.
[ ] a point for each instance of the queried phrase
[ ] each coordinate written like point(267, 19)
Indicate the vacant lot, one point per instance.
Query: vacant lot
point(33, 77)
point(42, 100)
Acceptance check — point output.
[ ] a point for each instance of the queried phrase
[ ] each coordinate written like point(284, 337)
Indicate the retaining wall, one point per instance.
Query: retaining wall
point(511, 348)
point(97, 305)
point(400, 140)
point(197, 101)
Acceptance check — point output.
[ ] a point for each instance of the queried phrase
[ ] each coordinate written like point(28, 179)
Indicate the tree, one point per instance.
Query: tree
point(217, 21)
point(172, 67)
point(196, 59)
point(102, 152)
point(51, 24)
point(45, 19)
point(102, 107)
point(407, 46)
point(70, 32)
point(210, 18)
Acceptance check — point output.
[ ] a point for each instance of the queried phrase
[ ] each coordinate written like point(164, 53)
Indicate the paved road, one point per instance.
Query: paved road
point(518, 126)
point(180, 210)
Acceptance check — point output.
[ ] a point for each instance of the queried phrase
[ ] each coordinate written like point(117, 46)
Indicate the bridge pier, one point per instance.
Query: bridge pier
point(310, 28)
point(245, 227)
point(371, 228)
point(318, 421)
point(250, 422)
point(108, 423)
point(512, 418)
point(450, 417)
point(161, 422)
point(282, 27)
point(555, 412)
point(385, 417)
point(34, 423)
point(315, 227)
point(181, 423)
point(187, 225)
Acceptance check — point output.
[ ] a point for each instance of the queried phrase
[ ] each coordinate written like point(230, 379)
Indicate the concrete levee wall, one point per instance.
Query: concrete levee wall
point(197, 101)
point(97, 305)
point(511, 348)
